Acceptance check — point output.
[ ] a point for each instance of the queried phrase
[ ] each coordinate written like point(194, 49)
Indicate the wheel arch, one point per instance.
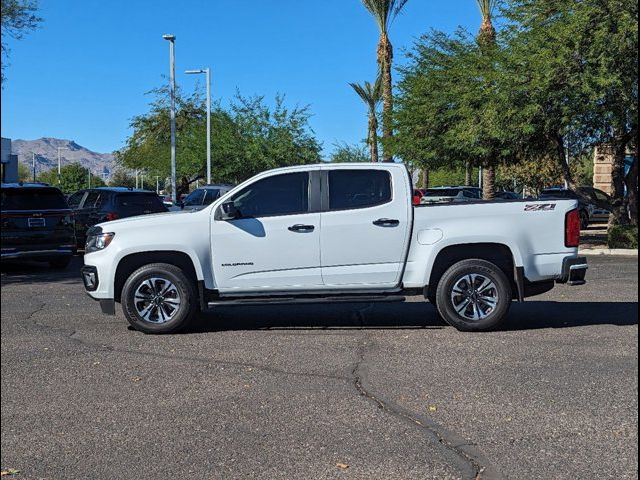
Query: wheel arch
point(496, 253)
point(130, 263)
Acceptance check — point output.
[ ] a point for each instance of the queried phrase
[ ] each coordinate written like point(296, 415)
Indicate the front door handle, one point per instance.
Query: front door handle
point(301, 228)
point(386, 222)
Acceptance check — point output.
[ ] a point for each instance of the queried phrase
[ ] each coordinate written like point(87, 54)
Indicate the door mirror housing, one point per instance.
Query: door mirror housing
point(228, 211)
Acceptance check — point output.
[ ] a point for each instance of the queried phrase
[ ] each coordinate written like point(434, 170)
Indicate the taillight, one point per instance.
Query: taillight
point(572, 229)
point(415, 200)
point(111, 216)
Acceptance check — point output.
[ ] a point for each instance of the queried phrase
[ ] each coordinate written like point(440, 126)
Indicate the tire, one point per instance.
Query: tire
point(159, 298)
point(584, 220)
point(490, 309)
point(60, 262)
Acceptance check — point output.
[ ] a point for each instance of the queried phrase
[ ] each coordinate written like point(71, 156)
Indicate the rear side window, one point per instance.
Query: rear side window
point(194, 198)
point(136, 204)
point(285, 194)
point(350, 189)
point(33, 199)
point(211, 195)
point(75, 199)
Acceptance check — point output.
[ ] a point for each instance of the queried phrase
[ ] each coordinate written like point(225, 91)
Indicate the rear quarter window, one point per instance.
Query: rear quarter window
point(349, 189)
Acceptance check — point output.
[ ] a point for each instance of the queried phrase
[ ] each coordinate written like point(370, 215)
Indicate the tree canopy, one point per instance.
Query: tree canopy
point(73, 177)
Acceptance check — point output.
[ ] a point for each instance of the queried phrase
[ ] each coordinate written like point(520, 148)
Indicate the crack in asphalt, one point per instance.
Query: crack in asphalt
point(470, 459)
point(463, 454)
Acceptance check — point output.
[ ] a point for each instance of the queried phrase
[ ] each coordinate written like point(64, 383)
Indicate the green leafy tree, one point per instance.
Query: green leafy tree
point(576, 64)
point(18, 17)
point(371, 94)
point(122, 178)
point(73, 177)
point(383, 12)
point(246, 139)
point(345, 153)
point(25, 174)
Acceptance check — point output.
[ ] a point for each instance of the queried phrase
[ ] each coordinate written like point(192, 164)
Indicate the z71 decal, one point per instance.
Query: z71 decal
point(540, 207)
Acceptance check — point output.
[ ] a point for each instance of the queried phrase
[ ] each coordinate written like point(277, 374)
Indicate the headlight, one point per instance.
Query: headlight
point(98, 242)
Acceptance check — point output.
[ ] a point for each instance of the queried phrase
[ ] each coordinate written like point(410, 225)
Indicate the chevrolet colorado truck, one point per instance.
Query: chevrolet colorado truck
point(331, 233)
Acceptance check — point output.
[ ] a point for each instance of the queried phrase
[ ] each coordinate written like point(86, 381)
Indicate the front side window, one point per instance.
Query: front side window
point(350, 189)
point(74, 200)
point(211, 195)
point(92, 200)
point(285, 194)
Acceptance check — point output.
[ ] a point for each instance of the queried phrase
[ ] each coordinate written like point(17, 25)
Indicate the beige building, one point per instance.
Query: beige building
point(602, 167)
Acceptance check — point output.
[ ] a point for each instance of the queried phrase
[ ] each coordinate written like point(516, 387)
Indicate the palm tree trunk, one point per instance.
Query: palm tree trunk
point(489, 182)
point(385, 58)
point(467, 172)
point(425, 178)
point(373, 137)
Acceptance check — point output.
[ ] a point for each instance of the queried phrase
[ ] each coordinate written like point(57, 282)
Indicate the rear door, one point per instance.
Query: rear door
point(365, 227)
point(275, 244)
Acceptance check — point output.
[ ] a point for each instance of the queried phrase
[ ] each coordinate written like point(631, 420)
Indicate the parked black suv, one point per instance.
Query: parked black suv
point(37, 224)
point(96, 205)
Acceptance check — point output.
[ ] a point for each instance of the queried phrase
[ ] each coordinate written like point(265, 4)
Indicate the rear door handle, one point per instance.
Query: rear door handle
point(301, 228)
point(386, 222)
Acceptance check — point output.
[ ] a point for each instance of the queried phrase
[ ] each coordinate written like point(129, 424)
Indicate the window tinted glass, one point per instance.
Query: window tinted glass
point(442, 192)
point(33, 199)
point(211, 195)
point(138, 203)
point(550, 194)
point(278, 195)
point(74, 200)
point(194, 198)
point(92, 200)
point(358, 188)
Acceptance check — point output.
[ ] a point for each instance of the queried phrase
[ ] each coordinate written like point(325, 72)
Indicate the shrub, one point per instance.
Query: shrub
point(623, 236)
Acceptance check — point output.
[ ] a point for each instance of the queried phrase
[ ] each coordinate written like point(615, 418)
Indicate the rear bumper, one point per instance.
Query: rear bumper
point(574, 270)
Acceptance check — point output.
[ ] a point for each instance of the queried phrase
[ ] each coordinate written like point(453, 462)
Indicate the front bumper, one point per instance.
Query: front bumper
point(89, 275)
point(574, 270)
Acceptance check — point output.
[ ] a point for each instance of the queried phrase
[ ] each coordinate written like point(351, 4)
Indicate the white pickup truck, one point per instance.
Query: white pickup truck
point(329, 233)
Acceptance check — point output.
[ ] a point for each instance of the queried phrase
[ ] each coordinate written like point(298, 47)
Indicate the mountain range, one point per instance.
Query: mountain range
point(46, 155)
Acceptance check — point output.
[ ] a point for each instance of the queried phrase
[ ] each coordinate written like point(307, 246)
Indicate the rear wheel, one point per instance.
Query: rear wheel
point(159, 298)
point(474, 295)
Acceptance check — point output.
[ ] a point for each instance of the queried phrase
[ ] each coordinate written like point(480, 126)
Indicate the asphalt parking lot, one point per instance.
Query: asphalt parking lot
point(380, 391)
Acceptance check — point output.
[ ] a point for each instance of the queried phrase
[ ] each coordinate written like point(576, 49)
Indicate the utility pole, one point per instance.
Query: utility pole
point(172, 85)
point(33, 164)
point(89, 175)
point(157, 185)
point(207, 71)
point(59, 163)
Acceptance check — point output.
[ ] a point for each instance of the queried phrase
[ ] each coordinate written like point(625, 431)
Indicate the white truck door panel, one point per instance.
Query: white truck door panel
point(365, 231)
point(275, 245)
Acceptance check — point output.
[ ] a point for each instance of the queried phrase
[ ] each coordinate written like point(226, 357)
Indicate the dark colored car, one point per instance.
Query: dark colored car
point(37, 224)
point(585, 207)
point(203, 196)
point(451, 194)
point(103, 204)
point(508, 196)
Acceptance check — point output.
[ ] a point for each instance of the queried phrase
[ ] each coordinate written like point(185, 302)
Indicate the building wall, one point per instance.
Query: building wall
point(9, 162)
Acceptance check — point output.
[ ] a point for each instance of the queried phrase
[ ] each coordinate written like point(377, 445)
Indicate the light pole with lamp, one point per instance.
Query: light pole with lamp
point(172, 86)
point(59, 162)
point(206, 71)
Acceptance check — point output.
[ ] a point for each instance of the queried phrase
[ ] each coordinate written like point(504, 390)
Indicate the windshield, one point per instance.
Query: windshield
point(29, 198)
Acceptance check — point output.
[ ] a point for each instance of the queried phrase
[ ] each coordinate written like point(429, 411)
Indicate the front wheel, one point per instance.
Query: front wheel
point(159, 298)
point(474, 295)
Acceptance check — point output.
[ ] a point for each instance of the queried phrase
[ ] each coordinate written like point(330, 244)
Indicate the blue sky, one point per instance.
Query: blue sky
point(84, 73)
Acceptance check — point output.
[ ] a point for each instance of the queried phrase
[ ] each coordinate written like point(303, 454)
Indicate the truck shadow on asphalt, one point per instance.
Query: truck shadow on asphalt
point(33, 273)
point(531, 315)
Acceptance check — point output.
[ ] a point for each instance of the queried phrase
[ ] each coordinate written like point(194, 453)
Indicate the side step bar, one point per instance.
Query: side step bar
point(240, 302)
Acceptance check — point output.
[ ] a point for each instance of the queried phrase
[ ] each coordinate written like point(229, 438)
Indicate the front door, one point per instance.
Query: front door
point(274, 244)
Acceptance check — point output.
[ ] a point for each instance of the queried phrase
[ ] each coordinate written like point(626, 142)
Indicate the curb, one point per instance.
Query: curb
point(629, 252)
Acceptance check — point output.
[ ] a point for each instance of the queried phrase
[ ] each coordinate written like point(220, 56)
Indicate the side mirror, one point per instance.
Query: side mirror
point(229, 211)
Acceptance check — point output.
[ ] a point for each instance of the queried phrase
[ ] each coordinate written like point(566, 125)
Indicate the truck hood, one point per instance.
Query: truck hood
point(168, 219)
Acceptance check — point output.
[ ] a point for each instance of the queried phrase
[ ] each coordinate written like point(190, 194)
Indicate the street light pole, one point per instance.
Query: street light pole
point(33, 160)
point(59, 163)
point(207, 71)
point(172, 85)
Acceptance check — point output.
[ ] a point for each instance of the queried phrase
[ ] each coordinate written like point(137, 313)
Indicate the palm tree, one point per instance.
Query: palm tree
point(487, 40)
point(371, 96)
point(384, 11)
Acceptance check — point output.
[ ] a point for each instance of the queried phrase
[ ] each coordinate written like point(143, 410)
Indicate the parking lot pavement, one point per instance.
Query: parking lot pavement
point(342, 391)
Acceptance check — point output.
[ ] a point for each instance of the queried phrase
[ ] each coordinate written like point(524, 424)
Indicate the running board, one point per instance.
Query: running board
point(239, 302)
